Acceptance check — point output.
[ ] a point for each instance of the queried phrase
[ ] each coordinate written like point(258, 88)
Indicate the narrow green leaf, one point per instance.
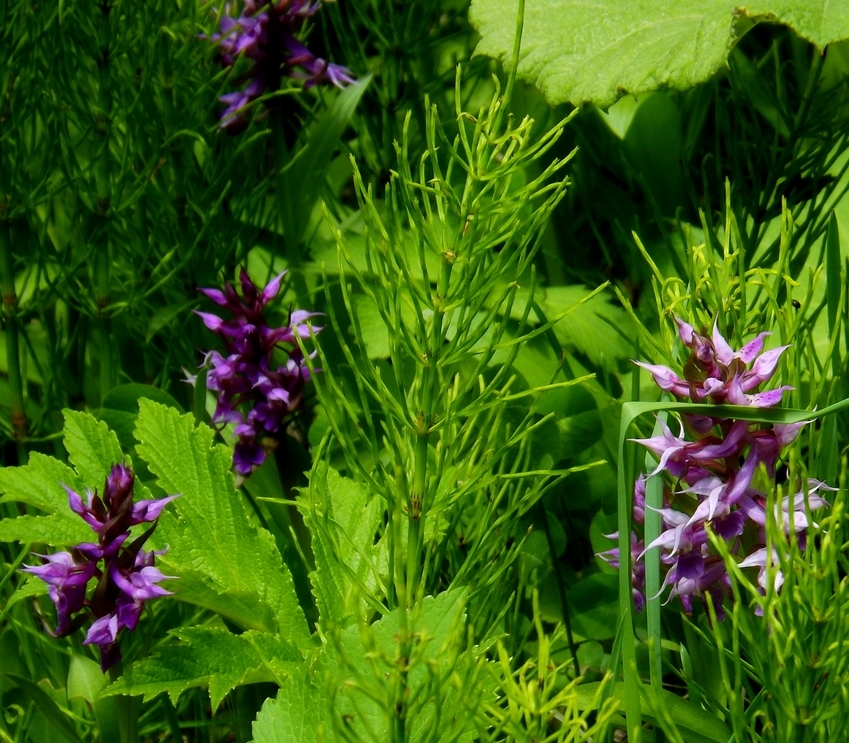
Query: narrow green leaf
point(310, 168)
point(46, 706)
point(164, 316)
point(694, 724)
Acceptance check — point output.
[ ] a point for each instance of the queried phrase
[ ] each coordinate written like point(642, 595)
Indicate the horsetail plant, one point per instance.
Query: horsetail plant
point(445, 252)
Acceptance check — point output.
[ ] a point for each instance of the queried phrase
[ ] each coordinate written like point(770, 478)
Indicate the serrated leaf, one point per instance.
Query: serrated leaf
point(343, 516)
point(225, 563)
point(354, 668)
point(213, 657)
point(595, 52)
point(92, 448)
point(357, 675)
point(297, 713)
point(57, 529)
point(38, 483)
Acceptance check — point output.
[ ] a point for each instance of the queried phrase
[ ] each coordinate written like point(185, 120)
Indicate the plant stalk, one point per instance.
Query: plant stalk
point(13, 358)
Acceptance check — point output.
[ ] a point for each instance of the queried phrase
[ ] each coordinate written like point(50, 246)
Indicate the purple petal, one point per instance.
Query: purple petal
point(769, 398)
point(271, 289)
point(149, 510)
point(685, 331)
point(213, 322)
point(104, 631)
point(666, 379)
point(216, 295)
point(750, 351)
point(766, 364)
point(724, 352)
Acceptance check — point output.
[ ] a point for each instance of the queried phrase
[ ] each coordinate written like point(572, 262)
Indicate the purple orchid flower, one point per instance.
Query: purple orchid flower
point(247, 378)
point(717, 460)
point(265, 33)
point(125, 574)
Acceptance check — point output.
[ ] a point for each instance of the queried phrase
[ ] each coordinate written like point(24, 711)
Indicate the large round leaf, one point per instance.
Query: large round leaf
point(580, 51)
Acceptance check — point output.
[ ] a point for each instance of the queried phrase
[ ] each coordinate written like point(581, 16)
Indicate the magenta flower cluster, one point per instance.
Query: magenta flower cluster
point(264, 33)
point(718, 465)
point(247, 378)
point(125, 575)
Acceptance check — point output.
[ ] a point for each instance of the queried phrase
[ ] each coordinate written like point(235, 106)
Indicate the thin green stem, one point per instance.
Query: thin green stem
point(13, 358)
point(128, 710)
point(561, 587)
point(102, 177)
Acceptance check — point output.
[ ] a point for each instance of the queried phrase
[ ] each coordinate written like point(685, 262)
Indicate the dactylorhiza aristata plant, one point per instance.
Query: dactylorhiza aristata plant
point(722, 468)
point(264, 33)
point(126, 575)
point(254, 393)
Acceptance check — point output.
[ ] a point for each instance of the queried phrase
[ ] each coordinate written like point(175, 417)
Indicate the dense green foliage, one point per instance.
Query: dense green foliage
point(489, 246)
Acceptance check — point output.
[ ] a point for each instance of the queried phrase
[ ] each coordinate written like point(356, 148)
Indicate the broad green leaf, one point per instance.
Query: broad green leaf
point(210, 657)
point(358, 670)
point(38, 483)
point(126, 397)
point(343, 523)
point(92, 448)
point(360, 667)
point(595, 52)
point(225, 563)
point(120, 409)
point(298, 713)
point(57, 529)
point(594, 607)
point(590, 326)
point(694, 724)
point(86, 681)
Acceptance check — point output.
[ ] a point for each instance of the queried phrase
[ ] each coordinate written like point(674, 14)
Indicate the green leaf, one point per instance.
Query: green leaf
point(39, 483)
point(595, 52)
point(297, 713)
point(225, 563)
point(590, 325)
point(360, 669)
point(309, 170)
point(594, 607)
point(159, 319)
point(46, 706)
point(120, 409)
point(86, 681)
point(57, 529)
point(361, 666)
point(694, 724)
point(126, 397)
point(343, 519)
point(210, 657)
point(92, 448)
